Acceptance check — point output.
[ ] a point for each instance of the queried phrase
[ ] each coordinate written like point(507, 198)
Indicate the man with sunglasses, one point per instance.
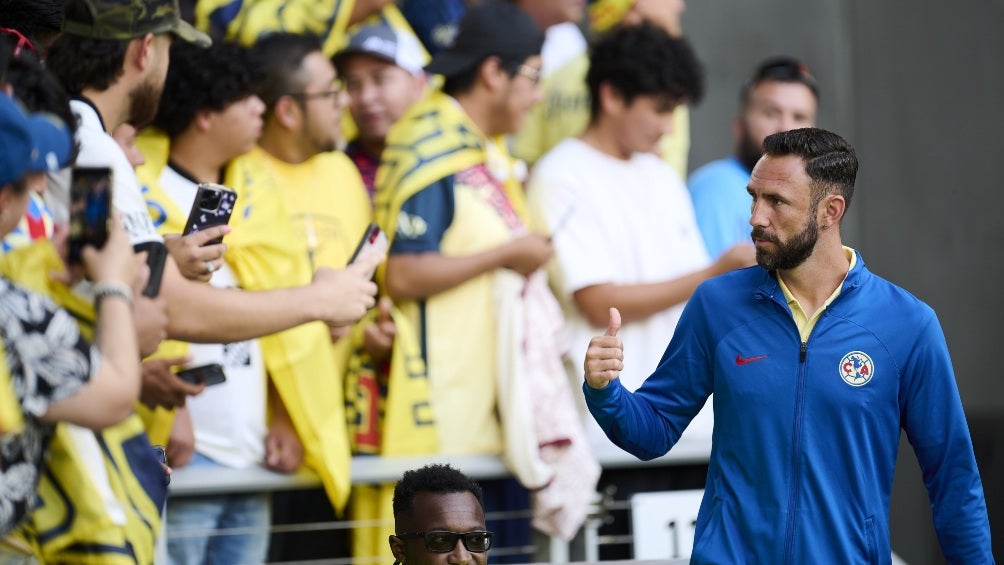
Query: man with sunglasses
point(780, 96)
point(439, 518)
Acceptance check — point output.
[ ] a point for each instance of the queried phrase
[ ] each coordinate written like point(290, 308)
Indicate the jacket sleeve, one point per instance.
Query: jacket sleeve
point(936, 427)
point(648, 422)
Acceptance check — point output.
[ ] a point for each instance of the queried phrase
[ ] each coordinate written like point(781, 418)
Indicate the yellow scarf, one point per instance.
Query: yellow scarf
point(264, 254)
point(73, 524)
point(433, 140)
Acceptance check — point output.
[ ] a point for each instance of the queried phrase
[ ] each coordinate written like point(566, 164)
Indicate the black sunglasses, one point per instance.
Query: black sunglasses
point(443, 541)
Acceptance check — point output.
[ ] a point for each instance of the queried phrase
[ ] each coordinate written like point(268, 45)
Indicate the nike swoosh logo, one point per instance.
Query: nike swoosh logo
point(741, 361)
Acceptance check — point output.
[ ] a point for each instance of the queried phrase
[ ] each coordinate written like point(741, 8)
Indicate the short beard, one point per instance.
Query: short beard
point(143, 103)
point(748, 151)
point(790, 254)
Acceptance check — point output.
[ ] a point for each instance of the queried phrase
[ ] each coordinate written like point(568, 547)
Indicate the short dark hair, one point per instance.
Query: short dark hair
point(39, 91)
point(83, 62)
point(438, 479)
point(644, 60)
point(830, 161)
point(780, 68)
point(464, 81)
point(199, 80)
point(278, 58)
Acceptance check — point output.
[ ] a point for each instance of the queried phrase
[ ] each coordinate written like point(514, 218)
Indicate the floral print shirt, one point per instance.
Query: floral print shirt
point(48, 361)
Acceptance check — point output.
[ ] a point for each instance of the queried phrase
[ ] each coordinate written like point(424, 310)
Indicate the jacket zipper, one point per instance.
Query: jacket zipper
point(789, 536)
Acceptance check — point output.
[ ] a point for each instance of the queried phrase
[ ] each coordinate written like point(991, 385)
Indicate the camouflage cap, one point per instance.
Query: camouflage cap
point(128, 19)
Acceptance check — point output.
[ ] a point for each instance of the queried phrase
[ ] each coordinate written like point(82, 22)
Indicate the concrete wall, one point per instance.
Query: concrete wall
point(918, 89)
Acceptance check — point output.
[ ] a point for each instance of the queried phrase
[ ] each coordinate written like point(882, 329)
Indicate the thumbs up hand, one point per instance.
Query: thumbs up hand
point(605, 356)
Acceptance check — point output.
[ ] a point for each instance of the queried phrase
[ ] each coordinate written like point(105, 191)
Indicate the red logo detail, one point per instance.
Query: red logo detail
point(741, 361)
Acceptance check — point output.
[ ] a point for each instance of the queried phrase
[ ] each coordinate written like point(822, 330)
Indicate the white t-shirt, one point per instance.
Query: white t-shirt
point(99, 149)
point(622, 222)
point(228, 418)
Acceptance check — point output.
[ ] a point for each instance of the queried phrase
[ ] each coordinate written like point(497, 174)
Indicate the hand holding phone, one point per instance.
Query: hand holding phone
point(373, 242)
point(211, 374)
point(213, 206)
point(90, 209)
point(156, 257)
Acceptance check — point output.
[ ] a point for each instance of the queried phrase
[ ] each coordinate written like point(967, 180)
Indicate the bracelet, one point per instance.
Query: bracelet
point(108, 289)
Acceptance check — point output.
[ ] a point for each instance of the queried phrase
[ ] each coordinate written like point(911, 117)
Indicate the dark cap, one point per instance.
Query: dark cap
point(383, 42)
point(781, 68)
point(31, 143)
point(128, 19)
point(497, 29)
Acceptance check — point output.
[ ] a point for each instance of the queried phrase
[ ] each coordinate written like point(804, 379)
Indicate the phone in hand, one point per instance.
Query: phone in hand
point(209, 375)
point(90, 209)
point(213, 205)
point(156, 258)
point(374, 240)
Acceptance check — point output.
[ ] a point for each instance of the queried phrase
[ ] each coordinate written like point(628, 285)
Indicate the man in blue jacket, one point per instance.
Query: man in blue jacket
point(815, 364)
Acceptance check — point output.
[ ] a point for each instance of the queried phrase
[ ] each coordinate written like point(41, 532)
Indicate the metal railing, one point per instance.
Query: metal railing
point(376, 470)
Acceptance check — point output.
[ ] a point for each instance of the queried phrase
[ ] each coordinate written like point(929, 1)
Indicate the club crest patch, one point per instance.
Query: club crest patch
point(856, 368)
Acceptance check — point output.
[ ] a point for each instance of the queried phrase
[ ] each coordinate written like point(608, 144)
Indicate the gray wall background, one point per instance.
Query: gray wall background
point(918, 89)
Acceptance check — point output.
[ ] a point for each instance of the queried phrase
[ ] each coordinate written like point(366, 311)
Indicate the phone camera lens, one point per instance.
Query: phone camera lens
point(210, 201)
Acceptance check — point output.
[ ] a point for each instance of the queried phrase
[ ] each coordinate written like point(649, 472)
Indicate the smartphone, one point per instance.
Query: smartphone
point(209, 375)
point(156, 257)
point(373, 239)
point(90, 209)
point(213, 205)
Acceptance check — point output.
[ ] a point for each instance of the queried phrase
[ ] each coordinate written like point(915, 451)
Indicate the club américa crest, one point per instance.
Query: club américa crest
point(856, 368)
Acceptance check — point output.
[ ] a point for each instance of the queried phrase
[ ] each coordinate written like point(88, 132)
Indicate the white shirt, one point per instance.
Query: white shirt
point(228, 418)
point(99, 149)
point(620, 222)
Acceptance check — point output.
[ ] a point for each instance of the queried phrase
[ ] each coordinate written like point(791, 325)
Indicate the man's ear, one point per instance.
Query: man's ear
point(288, 112)
point(140, 52)
point(202, 120)
point(611, 101)
point(396, 547)
point(492, 74)
point(831, 210)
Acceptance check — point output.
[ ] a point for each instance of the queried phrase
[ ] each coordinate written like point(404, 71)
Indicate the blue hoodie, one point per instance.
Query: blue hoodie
point(806, 434)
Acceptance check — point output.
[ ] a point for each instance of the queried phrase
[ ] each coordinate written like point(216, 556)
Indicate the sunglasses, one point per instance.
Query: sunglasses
point(443, 541)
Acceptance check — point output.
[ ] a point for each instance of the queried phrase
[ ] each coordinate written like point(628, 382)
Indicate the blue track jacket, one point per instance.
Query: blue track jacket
point(806, 434)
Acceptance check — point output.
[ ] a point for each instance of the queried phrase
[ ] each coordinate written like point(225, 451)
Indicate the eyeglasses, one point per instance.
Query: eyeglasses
point(336, 90)
point(443, 541)
point(22, 41)
point(531, 73)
